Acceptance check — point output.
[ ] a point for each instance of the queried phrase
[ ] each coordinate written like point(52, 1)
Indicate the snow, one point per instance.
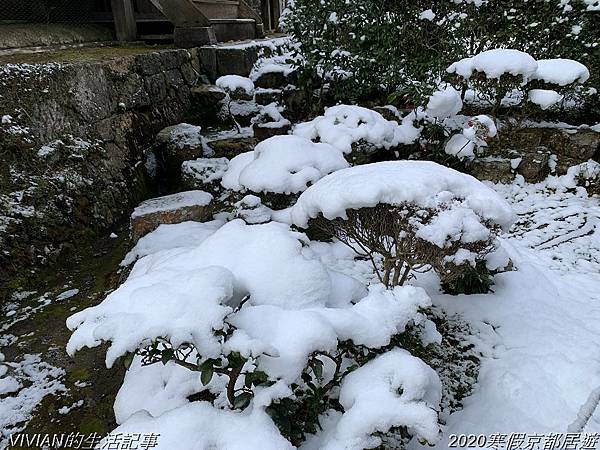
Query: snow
point(156, 389)
point(372, 403)
point(170, 236)
point(561, 71)
point(275, 64)
point(205, 170)
point(67, 294)
point(270, 117)
point(252, 211)
point(344, 125)
point(539, 329)
point(264, 261)
point(292, 335)
point(544, 98)
point(231, 178)
point(423, 183)
point(233, 82)
point(201, 426)
point(172, 202)
point(495, 63)
point(444, 103)
point(9, 385)
point(460, 146)
point(283, 164)
point(472, 138)
point(427, 15)
point(185, 318)
point(36, 380)
point(67, 409)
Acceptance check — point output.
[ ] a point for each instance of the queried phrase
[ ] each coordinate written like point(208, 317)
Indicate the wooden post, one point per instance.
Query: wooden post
point(124, 18)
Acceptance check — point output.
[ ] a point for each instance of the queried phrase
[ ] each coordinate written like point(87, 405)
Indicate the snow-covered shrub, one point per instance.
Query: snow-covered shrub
point(472, 139)
point(258, 329)
point(238, 87)
point(282, 165)
point(404, 47)
point(350, 127)
point(406, 216)
point(495, 73)
point(586, 174)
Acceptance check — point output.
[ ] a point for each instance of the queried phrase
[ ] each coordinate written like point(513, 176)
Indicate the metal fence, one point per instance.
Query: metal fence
point(55, 11)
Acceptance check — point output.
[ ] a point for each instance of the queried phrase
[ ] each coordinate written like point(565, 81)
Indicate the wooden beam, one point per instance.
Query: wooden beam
point(124, 17)
point(182, 13)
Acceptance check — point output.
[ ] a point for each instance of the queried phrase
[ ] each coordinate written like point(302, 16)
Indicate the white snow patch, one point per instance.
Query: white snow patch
point(283, 164)
point(172, 202)
point(343, 125)
point(234, 82)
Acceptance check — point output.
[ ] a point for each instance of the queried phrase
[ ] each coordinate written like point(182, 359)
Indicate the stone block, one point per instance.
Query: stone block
point(170, 209)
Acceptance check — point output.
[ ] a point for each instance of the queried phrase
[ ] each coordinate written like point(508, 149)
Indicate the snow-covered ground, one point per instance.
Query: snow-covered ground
point(539, 331)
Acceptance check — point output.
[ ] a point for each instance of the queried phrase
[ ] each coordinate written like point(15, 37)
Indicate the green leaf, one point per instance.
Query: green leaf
point(242, 400)
point(167, 355)
point(317, 366)
point(206, 375)
point(249, 379)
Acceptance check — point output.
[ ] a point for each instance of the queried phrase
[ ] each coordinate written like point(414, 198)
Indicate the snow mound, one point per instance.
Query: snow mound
point(232, 83)
point(184, 293)
point(466, 203)
point(344, 125)
point(561, 71)
point(155, 388)
point(283, 164)
point(495, 63)
point(544, 98)
point(444, 103)
point(251, 210)
point(201, 426)
point(172, 203)
point(185, 306)
point(293, 335)
point(170, 236)
point(372, 402)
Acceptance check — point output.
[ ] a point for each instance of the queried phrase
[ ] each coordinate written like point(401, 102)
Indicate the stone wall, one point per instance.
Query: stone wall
point(536, 152)
point(72, 144)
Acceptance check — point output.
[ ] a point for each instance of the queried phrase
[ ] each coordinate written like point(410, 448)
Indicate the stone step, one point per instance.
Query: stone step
point(233, 29)
point(156, 37)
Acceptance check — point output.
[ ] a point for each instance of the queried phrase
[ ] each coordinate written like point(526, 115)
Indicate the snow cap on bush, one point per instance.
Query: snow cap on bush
point(424, 183)
point(444, 103)
point(283, 164)
point(473, 137)
point(344, 125)
point(561, 71)
point(370, 398)
point(232, 83)
point(184, 293)
point(495, 63)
